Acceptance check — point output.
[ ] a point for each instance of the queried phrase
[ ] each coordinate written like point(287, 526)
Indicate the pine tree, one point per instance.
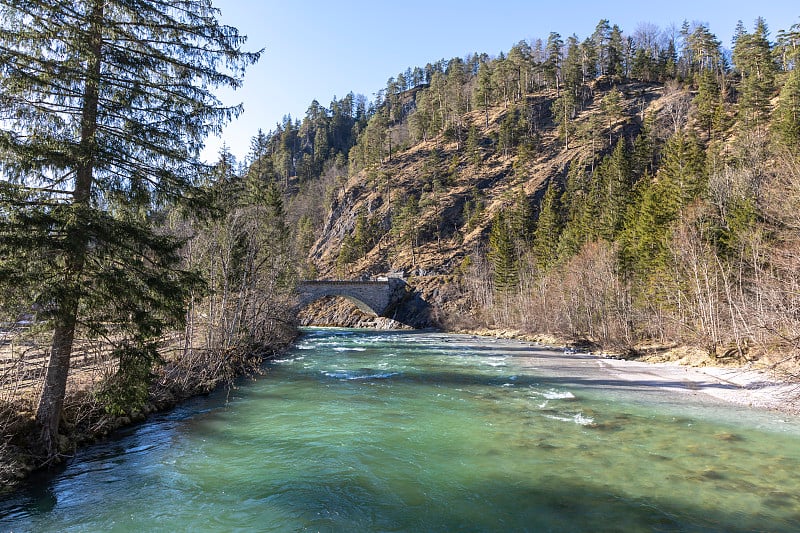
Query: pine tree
point(616, 54)
point(548, 229)
point(482, 94)
point(106, 102)
point(473, 210)
point(363, 235)
point(572, 67)
point(752, 57)
point(656, 207)
point(521, 221)
point(708, 102)
point(614, 174)
point(611, 106)
point(552, 63)
point(580, 212)
point(644, 242)
point(503, 255)
point(276, 214)
point(473, 146)
point(405, 225)
point(681, 177)
point(643, 152)
point(347, 253)
point(668, 61)
point(588, 60)
point(786, 122)
point(304, 238)
point(601, 36)
point(260, 171)
point(564, 109)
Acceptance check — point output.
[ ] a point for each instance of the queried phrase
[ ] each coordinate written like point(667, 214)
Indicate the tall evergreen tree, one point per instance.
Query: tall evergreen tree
point(520, 220)
point(616, 54)
point(601, 36)
point(681, 177)
point(752, 57)
point(708, 101)
point(657, 206)
point(503, 255)
point(482, 93)
point(614, 175)
point(548, 229)
point(573, 68)
point(552, 63)
point(588, 60)
point(105, 102)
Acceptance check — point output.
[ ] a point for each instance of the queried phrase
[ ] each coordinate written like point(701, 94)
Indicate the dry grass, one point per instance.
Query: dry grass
point(24, 356)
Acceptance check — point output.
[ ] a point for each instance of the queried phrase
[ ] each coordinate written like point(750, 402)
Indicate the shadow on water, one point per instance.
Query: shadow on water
point(549, 503)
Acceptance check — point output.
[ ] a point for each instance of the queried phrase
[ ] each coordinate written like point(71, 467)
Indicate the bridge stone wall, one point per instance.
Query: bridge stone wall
point(377, 298)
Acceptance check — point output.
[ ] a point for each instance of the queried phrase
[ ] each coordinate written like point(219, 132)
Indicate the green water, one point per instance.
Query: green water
point(376, 431)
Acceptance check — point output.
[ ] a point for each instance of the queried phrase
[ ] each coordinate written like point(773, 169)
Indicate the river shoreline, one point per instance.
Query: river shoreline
point(742, 385)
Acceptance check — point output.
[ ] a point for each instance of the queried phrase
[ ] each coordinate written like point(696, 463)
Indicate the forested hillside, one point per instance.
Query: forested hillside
point(622, 187)
point(631, 187)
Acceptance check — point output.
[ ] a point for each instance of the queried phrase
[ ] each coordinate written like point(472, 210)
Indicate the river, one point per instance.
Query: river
point(415, 431)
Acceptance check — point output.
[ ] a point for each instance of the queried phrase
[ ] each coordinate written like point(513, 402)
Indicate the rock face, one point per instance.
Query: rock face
point(427, 210)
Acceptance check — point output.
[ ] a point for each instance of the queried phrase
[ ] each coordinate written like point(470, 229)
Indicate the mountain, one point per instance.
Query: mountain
point(610, 190)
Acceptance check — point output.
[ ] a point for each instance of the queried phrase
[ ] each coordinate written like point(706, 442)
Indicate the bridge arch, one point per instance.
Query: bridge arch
point(376, 298)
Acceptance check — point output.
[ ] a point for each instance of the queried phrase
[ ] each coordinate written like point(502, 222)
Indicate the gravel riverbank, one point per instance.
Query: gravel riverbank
point(748, 385)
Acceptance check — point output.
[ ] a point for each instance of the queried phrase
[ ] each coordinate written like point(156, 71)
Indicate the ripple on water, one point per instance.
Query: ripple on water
point(421, 432)
point(355, 376)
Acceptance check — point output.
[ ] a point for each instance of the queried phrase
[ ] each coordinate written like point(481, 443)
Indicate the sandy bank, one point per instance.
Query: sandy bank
point(748, 387)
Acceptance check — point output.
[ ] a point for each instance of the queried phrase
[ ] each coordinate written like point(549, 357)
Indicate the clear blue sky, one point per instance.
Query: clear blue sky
point(320, 49)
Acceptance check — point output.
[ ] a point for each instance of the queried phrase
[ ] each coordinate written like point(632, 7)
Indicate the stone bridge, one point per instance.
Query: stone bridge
point(377, 298)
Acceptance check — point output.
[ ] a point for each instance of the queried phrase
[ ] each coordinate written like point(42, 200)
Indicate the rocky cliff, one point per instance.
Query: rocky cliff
point(426, 210)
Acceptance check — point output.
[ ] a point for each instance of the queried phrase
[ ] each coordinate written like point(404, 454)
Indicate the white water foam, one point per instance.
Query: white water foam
point(577, 419)
point(337, 375)
point(553, 394)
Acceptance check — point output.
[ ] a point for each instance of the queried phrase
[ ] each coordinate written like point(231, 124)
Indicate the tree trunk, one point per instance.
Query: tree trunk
point(51, 401)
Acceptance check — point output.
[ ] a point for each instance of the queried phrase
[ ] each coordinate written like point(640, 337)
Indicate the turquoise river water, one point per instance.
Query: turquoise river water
point(384, 431)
